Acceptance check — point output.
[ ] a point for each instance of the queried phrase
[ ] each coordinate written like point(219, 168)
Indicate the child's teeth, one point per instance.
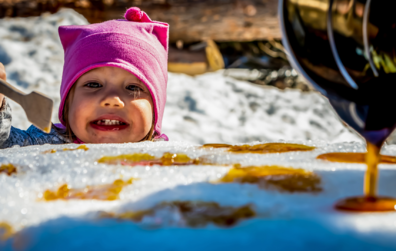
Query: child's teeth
point(109, 122)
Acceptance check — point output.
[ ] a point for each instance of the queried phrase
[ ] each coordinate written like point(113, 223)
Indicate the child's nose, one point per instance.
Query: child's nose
point(114, 102)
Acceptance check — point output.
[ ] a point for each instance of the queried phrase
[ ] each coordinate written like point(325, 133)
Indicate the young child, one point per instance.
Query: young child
point(113, 85)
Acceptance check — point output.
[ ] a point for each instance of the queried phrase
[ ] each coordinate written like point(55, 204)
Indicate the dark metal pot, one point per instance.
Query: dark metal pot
point(347, 50)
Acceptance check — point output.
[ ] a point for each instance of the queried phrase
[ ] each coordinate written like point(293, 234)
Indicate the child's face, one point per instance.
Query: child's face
point(110, 105)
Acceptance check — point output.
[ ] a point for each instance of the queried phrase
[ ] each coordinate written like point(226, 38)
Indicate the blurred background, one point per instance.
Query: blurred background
point(246, 33)
point(229, 81)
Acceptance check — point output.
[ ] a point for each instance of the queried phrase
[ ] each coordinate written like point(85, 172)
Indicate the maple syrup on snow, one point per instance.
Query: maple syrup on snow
point(6, 231)
point(99, 192)
point(262, 148)
point(8, 169)
point(82, 147)
point(192, 213)
point(358, 158)
point(369, 202)
point(216, 146)
point(135, 159)
point(283, 179)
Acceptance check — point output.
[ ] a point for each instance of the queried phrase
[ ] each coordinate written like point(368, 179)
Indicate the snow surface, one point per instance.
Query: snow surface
point(299, 221)
point(202, 109)
point(213, 108)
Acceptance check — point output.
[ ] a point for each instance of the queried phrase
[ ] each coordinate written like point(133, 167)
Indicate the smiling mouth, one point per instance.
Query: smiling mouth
point(108, 122)
point(108, 125)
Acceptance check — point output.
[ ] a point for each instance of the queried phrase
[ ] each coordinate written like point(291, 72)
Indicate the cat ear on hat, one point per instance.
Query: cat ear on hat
point(68, 35)
point(160, 30)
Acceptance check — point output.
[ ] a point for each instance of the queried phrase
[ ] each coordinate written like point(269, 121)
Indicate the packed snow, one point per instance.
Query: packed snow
point(202, 109)
point(210, 108)
point(299, 220)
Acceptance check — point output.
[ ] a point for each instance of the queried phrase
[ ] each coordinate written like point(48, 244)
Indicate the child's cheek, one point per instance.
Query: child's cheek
point(79, 115)
point(143, 112)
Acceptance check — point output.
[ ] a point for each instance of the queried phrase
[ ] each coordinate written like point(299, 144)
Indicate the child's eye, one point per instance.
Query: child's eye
point(93, 85)
point(134, 88)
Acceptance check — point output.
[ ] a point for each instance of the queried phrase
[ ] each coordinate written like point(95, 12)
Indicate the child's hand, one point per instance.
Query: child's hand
point(3, 76)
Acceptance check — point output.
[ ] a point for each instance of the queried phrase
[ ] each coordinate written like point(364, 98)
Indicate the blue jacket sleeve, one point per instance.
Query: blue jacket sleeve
point(10, 136)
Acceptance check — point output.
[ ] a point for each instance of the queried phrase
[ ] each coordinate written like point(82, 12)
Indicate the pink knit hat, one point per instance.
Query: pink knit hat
point(135, 44)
